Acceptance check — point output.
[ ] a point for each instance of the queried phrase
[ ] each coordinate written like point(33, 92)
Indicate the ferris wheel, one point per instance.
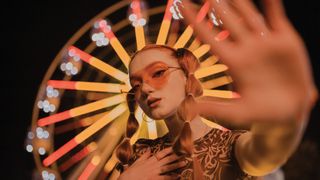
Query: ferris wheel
point(80, 111)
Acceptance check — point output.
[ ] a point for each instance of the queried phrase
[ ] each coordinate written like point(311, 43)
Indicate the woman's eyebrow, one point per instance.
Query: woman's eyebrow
point(136, 75)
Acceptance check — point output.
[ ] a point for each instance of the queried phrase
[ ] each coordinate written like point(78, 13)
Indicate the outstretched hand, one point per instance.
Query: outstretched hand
point(267, 61)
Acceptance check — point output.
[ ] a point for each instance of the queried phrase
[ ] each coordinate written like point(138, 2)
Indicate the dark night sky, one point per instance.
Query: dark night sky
point(33, 32)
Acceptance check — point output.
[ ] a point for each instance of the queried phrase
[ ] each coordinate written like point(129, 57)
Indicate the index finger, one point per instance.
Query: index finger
point(202, 30)
point(164, 152)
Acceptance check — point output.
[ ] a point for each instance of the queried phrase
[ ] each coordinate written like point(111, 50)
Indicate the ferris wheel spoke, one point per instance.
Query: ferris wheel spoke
point(207, 71)
point(115, 43)
point(200, 51)
point(209, 61)
point(195, 44)
point(107, 143)
point(217, 82)
point(94, 162)
point(108, 167)
point(139, 31)
point(89, 86)
point(78, 124)
point(78, 156)
point(84, 109)
point(85, 134)
point(165, 25)
point(186, 35)
point(140, 38)
point(99, 64)
point(220, 93)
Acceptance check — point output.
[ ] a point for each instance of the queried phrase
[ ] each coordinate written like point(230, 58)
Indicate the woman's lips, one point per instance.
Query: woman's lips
point(153, 103)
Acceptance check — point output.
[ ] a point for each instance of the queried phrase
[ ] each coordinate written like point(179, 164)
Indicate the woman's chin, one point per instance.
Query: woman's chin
point(156, 116)
point(161, 115)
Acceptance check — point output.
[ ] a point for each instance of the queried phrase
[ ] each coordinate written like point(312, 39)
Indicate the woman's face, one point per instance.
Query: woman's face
point(159, 84)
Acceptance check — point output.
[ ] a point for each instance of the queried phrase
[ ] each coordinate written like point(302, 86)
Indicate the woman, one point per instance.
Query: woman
point(269, 65)
point(162, 84)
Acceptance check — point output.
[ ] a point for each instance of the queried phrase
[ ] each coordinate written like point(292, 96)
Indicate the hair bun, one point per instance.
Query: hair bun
point(180, 52)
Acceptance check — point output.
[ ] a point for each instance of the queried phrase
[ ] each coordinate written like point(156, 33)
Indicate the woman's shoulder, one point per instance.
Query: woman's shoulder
point(216, 148)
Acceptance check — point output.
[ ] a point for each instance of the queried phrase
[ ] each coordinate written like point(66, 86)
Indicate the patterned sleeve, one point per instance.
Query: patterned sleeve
point(235, 134)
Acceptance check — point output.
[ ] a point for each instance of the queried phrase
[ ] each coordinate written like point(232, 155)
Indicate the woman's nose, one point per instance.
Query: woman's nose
point(146, 88)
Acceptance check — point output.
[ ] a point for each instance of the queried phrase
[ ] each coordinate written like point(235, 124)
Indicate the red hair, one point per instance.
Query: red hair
point(184, 143)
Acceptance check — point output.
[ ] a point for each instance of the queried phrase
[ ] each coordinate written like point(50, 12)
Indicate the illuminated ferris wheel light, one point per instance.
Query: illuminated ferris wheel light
point(100, 39)
point(52, 92)
point(48, 176)
point(46, 106)
point(30, 135)
point(29, 148)
point(69, 68)
point(41, 151)
point(41, 133)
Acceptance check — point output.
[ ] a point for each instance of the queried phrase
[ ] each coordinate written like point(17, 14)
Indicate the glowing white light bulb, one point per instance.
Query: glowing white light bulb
point(40, 104)
point(98, 43)
point(55, 93)
point(135, 23)
point(40, 135)
point(105, 41)
point(45, 103)
point(69, 66)
point(45, 134)
point(76, 58)
point(132, 17)
point(29, 148)
point(142, 22)
point(96, 25)
point(71, 52)
point(41, 151)
point(46, 109)
point(94, 37)
point(30, 135)
point(52, 108)
point(51, 176)
point(39, 129)
point(63, 66)
point(44, 174)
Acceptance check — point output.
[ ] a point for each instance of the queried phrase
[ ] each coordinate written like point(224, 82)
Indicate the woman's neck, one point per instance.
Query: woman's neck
point(198, 127)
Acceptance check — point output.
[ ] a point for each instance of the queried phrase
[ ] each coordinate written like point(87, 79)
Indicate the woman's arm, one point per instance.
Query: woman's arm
point(270, 68)
point(267, 146)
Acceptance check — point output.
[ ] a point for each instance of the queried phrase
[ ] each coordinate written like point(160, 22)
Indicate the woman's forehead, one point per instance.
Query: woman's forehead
point(148, 57)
